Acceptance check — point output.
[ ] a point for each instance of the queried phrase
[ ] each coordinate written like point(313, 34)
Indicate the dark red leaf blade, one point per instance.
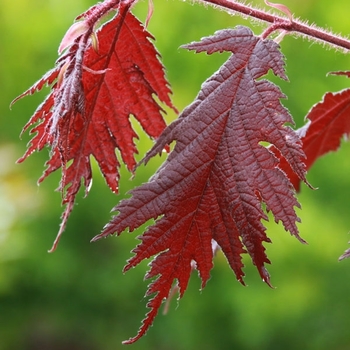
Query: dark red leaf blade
point(94, 93)
point(212, 186)
point(328, 123)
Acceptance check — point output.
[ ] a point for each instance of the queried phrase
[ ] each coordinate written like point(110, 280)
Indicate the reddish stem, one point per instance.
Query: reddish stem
point(97, 12)
point(294, 26)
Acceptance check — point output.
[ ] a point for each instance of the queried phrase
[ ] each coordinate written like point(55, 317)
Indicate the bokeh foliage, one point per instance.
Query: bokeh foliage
point(77, 297)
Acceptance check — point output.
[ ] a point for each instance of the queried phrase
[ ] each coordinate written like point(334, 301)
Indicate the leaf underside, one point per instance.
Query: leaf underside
point(92, 97)
point(214, 184)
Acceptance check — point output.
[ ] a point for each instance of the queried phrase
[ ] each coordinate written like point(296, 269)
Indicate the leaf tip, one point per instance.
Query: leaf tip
point(96, 238)
point(345, 255)
point(344, 73)
point(65, 217)
point(154, 304)
point(107, 230)
point(265, 276)
point(150, 12)
point(56, 241)
point(16, 99)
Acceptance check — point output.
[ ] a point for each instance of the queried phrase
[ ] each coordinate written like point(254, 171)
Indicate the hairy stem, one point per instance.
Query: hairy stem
point(97, 12)
point(312, 32)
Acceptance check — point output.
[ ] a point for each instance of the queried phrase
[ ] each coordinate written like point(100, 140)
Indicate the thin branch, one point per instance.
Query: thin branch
point(296, 26)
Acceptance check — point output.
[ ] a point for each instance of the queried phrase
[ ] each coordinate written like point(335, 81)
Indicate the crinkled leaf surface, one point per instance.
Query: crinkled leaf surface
point(96, 89)
point(215, 182)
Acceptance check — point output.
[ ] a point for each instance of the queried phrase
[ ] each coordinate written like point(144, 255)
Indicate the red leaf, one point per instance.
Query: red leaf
point(88, 111)
point(329, 121)
point(213, 185)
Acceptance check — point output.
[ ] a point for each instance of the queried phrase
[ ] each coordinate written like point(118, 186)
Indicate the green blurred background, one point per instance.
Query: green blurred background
point(77, 297)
